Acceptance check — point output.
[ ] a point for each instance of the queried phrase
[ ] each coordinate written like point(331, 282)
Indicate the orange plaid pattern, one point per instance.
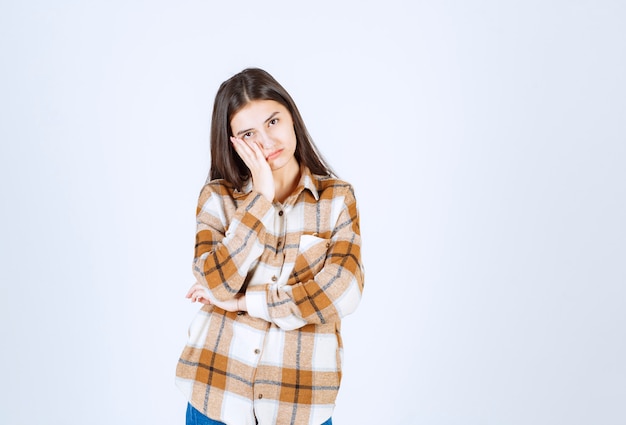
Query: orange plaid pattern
point(299, 264)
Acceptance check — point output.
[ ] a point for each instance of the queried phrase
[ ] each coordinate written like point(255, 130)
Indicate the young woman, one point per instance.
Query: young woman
point(277, 264)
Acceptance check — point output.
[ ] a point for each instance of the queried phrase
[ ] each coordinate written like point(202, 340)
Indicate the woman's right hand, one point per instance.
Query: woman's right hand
point(198, 293)
point(252, 155)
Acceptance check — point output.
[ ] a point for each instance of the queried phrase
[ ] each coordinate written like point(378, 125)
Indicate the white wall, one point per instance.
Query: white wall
point(487, 143)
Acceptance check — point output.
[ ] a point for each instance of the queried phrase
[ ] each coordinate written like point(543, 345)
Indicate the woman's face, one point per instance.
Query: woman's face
point(270, 125)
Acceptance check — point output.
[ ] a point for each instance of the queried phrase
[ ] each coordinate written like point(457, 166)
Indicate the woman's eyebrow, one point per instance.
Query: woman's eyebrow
point(239, 133)
point(271, 117)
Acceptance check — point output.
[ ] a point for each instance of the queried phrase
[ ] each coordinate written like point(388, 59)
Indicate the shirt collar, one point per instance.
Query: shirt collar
point(307, 181)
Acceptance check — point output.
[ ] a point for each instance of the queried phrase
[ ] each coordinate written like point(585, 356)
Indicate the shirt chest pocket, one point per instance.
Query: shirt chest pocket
point(310, 260)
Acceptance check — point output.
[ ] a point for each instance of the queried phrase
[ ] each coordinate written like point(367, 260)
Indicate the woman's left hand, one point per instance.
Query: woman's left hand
point(197, 293)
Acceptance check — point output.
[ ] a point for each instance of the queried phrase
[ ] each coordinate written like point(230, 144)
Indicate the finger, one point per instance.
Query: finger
point(191, 290)
point(249, 151)
point(199, 293)
point(241, 146)
point(237, 141)
point(194, 288)
point(254, 146)
point(202, 300)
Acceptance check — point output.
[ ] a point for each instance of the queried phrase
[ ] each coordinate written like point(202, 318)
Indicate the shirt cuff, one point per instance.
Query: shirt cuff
point(256, 302)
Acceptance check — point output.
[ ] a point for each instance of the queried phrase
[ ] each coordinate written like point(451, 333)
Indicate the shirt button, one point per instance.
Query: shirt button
point(260, 396)
point(274, 278)
point(280, 213)
point(279, 243)
point(257, 351)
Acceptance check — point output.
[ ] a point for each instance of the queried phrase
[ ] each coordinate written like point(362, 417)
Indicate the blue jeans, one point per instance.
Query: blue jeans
point(194, 417)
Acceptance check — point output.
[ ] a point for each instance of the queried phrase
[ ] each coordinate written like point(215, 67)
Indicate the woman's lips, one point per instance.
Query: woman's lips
point(273, 155)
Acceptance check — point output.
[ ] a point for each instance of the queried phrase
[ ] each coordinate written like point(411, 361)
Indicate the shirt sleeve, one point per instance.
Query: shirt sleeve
point(224, 252)
point(332, 293)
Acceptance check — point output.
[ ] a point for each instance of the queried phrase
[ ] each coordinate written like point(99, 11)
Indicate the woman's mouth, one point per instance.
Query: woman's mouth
point(273, 155)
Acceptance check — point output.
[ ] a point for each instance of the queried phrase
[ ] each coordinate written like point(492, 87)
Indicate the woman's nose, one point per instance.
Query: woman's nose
point(265, 141)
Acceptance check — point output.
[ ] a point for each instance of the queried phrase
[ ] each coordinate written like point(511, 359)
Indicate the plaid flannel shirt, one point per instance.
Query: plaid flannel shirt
point(299, 265)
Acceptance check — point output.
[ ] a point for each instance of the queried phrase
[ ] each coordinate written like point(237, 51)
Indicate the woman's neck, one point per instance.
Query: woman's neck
point(285, 180)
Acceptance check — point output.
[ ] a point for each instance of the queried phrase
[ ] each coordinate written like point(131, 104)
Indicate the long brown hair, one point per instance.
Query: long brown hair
point(235, 93)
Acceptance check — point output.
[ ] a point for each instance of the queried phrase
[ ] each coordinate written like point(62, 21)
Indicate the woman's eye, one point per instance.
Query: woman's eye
point(273, 121)
point(247, 135)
